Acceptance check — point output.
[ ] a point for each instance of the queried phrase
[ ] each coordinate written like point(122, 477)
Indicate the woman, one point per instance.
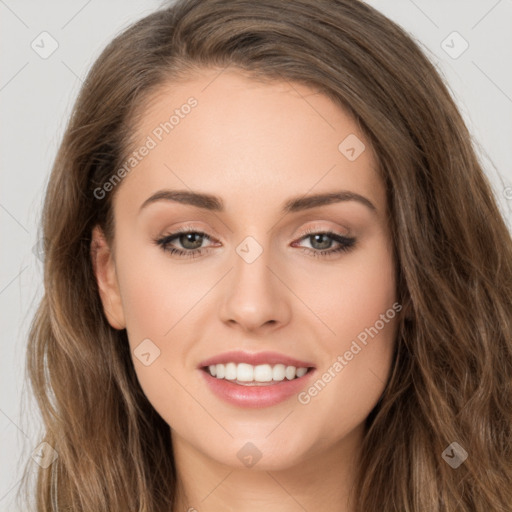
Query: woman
point(276, 277)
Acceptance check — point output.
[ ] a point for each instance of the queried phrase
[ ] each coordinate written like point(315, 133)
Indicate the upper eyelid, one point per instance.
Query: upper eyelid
point(315, 228)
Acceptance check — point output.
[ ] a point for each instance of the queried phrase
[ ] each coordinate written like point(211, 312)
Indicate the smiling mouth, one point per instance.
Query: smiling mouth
point(256, 375)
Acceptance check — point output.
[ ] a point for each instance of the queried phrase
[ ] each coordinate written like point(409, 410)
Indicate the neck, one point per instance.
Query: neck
point(321, 481)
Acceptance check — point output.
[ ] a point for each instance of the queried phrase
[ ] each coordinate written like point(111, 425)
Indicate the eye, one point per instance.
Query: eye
point(321, 243)
point(191, 242)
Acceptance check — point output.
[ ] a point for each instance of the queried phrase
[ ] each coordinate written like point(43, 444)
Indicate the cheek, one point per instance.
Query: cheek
point(156, 293)
point(350, 295)
point(155, 300)
point(359, 307)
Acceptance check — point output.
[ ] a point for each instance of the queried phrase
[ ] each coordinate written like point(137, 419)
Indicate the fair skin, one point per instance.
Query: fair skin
point(255, 146)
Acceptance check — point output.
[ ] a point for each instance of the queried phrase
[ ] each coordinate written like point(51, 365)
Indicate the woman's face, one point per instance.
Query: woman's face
point(258, 277)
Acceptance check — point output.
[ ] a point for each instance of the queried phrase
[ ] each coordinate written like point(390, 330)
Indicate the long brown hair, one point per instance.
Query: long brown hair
point(451, 379)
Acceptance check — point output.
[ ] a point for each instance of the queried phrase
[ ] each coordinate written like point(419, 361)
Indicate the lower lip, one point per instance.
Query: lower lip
point(256, 396)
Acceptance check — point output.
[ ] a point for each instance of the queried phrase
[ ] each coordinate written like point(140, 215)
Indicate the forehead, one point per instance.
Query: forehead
point(227, 134)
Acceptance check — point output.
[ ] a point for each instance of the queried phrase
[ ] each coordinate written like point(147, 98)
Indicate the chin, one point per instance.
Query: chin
point(260, 453)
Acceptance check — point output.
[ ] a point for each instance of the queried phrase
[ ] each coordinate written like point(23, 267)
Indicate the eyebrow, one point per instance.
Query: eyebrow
point(296, 204)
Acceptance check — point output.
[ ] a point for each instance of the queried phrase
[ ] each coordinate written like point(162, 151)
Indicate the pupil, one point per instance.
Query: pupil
point(189, 237)
point(326, 243)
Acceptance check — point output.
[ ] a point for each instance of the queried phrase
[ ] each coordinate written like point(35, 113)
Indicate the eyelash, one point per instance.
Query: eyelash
point(346, 243)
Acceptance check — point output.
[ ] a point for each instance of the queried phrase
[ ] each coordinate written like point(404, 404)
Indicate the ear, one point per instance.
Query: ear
point(105, 272)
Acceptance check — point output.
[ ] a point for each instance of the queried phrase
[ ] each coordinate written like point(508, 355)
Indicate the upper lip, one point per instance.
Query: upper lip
point(255, 358)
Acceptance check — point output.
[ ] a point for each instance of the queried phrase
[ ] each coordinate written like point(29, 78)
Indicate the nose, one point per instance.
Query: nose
point(255, 296)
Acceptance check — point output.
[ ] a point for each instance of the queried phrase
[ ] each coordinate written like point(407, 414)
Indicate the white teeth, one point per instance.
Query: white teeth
point(290, 372)
point(278, 372)
point(230, 371)
point(263, 373)
point(220, 370)
point(301, 372)
point(244, 372)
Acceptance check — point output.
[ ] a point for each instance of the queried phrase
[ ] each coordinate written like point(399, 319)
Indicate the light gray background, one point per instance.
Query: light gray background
point(36, 96)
